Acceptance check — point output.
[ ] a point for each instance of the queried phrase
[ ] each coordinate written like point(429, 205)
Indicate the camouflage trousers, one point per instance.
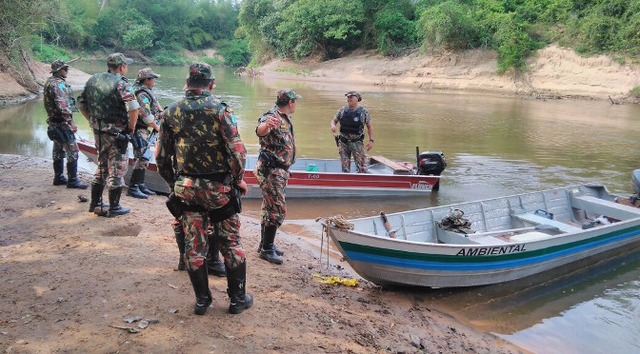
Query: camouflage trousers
point(68, 149)
point(210, 195)
point(355, 148)
point(273, 183)
point(112, 165)
point(140, 161)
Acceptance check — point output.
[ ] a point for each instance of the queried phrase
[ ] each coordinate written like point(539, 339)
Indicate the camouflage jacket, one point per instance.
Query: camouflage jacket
point(148, 104)
point(105, 97)
point(58, 100)
point(279, 143)
point(199, 136)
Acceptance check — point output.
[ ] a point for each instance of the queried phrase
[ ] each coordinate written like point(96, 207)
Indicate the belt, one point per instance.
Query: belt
point(345, 140)
point(269, 162)
point(100, 132)
point(221, 177)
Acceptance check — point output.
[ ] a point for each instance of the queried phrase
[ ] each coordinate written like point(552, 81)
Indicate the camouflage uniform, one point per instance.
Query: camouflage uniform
point(108, 98)
point(60, 105)
point(200, 154)
point(149, 110)
point(277, 154)
point(350, 141)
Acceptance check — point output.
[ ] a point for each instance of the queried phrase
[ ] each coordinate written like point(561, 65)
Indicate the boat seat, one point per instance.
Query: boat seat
point(396, 167)
point(540, 220)
point(605, 207)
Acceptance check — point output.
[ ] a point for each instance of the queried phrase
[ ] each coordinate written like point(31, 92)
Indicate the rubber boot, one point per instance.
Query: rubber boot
point(134, 190)
point(279, 251)
point(215, 266)
point(72, 172)
point(114, 200)
point(200, 283)
point(143, 187)
point(179, 232)
point(58, 173)
point(96, 198)
point(268, 251)
point(236, 289)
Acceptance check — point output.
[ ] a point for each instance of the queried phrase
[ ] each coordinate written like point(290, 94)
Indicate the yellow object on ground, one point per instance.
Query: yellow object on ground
point(335, 280)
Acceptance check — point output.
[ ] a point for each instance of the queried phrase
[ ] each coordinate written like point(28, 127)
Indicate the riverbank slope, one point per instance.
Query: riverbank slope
point(75, 282)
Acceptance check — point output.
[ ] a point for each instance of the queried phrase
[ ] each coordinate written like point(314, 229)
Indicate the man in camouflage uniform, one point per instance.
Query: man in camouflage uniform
point(201, 156)
point(149, 109)
point(277, 154)
point(353, 119)
point(60, 105)
point(108, 102)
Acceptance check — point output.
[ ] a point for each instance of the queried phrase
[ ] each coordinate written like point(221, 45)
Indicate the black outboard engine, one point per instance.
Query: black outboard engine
point(431, 163)
point(635, 181)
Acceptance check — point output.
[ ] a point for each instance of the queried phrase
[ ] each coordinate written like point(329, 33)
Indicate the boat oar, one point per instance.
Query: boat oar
point(387, 225)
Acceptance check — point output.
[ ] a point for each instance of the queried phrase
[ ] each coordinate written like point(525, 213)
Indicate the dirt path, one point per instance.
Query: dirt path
point(70, 280)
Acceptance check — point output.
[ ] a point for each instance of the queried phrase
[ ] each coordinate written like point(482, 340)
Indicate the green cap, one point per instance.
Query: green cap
point(116, 59)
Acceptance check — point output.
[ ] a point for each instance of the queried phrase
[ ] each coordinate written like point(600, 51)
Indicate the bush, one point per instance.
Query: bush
point(448, 25)
point(47, 53)
point(235, 52)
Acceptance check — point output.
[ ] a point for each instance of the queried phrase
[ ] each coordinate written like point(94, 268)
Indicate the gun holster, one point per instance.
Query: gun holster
point(228, 210)
point(175, 206)
point(56, 133)
point(122, 142)
point(138, 142)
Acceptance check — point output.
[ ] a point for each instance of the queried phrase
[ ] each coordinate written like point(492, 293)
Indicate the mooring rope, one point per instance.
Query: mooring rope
point(337, 221)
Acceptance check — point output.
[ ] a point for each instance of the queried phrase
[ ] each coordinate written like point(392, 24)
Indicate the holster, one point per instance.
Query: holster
point(138, 142)
point(122, 142)
point(228, 210)
point(175, 206)
point(56, 133)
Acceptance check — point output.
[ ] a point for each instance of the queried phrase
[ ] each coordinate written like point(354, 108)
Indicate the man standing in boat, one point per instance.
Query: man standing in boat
point(60, 105)
point(352, 119)
point(201, 156)
point(109, 103)
point(149, 109)
point(277, 154)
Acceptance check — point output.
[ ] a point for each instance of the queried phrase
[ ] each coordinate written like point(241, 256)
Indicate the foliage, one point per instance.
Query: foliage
point(46, 52)
point(449, 25)
point(394, 27)
point(235, 52)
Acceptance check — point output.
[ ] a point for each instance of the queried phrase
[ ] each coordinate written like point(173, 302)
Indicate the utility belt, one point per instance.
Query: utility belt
point(220, 177)
point(345, 140)
point(269, 162)
point(55, 119)
point(56, 133)
point(122, 139)
point(177, 207)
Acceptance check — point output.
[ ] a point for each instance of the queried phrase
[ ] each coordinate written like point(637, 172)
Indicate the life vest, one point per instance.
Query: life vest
point(351, 121)
point(195, 123)
point(153, 104)
point(103, 101)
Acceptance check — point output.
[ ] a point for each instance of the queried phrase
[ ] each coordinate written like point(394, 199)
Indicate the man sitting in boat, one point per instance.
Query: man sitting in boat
point(353, 119)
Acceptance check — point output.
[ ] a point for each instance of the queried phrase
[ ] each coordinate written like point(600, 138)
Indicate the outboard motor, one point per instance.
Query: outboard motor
point(635, 181)
point(431, 163)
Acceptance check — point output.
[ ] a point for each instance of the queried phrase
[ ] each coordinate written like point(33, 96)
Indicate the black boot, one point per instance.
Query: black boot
point(143, 187)
point(200, 283)
point(58, 173)
point(96, 199)
point(72, 172)
point(179, 232)
point(268, 251)
point(114, 200)
point(215, 266)
point(236, 289)
point(279, 251)
point(134, 190)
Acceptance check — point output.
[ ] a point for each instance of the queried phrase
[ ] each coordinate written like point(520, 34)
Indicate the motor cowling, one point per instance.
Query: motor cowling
point(431, 163)
point(635, 181)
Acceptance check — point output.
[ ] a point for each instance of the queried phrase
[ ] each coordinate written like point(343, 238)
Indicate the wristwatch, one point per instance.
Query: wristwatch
point(371, 140)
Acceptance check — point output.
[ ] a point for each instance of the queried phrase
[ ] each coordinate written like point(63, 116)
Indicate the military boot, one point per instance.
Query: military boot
point(200, 283)
point(236, 289)
point(268, 251)
point(279, 251)
point(96, 198)
point(58, 173)
point(72, 172)
point(134, 189)
point(215, 265)
point(179, 232)
point(143, 187)
point(114, 200)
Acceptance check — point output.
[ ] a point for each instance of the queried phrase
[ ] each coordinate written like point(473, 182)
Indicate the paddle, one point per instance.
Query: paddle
point(387, 225)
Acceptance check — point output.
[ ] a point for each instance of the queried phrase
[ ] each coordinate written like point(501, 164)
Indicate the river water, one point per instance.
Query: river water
point(494, 146)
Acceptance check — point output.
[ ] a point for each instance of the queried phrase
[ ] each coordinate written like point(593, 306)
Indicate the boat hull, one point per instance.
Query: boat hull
point(472, 262)
point(312, 178)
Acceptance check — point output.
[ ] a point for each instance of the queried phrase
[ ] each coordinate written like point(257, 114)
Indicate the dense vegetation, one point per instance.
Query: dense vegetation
point(260, 29)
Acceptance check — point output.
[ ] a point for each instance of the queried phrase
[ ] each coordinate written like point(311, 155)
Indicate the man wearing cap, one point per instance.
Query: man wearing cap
point(149, 109)
point(108, 102)
point(201, 156)
point(277, 154)
point(60, 105)
point(352, 120)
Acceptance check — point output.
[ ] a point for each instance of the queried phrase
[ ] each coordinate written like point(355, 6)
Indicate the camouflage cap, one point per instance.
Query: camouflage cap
point(146, 73)
point(116, 59)
point(286, 95)
point(354, 93)
point(57, 65)
point(200, 71)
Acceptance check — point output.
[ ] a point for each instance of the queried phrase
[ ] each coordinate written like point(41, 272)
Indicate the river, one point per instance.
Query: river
point(494, 146)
